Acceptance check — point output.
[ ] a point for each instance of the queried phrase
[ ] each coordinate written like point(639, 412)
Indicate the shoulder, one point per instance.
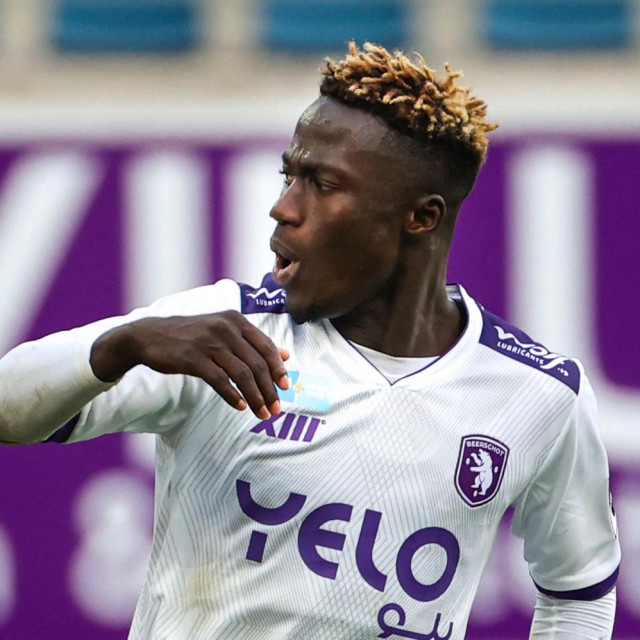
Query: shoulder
point(223, 295)
point(513, 343)
point(219, 296)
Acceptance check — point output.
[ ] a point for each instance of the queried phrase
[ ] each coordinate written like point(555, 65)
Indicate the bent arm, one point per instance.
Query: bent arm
point(45, 383)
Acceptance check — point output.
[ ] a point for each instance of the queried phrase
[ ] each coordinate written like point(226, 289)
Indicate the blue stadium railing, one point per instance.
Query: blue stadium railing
point(558, 24)
point(310, 26)
point(126, 26)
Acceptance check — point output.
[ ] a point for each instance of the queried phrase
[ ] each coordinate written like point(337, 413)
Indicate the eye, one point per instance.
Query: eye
point(287, 177)
point(322, 186)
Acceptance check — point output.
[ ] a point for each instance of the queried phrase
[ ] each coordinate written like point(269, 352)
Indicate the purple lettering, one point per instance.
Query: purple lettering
point(417, 540)
point(364, 550)
point(267, 425)
point(301, 422)
point(299, 428)
point(268, 515)
point(311, 431)
point(286, 425)
point(257, 542)
point(265, 515)
point(312, 536)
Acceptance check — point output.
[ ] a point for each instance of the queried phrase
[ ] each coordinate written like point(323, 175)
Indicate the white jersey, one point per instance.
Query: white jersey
point(366, 509)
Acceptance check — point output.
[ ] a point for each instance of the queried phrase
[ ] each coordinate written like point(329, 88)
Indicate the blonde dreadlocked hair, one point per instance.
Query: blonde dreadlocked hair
point(409, 97)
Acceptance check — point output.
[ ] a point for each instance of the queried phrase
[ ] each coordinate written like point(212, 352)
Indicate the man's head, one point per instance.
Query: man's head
point(376, 171)
point(443, 120)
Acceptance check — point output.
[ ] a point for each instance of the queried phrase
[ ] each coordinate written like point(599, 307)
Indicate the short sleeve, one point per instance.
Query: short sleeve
point(566, 516)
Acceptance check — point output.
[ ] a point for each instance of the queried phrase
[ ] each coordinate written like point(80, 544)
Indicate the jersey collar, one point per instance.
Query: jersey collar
point(362, 370)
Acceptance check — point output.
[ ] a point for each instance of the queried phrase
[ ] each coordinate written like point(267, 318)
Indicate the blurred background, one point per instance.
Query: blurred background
point(139, 148)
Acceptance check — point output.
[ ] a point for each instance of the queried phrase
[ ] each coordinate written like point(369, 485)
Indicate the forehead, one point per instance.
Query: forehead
point(331, 129)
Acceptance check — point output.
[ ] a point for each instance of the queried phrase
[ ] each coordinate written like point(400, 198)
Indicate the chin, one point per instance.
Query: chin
point(301, 313)
point(300, 316)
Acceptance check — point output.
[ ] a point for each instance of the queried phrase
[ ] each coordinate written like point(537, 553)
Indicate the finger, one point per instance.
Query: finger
point(283, 381)
point(262, 375)
point(273, 356)
point(250, 374)
point(219, 381)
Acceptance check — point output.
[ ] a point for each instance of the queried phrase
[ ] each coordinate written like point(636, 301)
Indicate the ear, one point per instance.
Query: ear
point(426, 215)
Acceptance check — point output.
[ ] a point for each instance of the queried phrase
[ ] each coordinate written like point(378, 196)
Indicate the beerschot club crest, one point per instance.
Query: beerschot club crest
point(480, 469)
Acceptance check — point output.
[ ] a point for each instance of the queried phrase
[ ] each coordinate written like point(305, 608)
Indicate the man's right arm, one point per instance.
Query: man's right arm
point(45, 383)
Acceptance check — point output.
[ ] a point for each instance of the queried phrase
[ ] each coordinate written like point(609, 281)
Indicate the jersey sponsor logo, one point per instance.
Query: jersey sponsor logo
point(391, 630)
point(307, 391)
point(313, 537)
point(480, 469)
point(536, 352)
point(266, 299)
point(289, 426)
point(263, 292)
point(514, 344)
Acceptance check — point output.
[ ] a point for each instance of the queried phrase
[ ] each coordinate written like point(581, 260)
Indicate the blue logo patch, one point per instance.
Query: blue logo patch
point(307, 390)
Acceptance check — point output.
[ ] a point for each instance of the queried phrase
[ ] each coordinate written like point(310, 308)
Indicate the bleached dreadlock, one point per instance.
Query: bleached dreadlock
point(409, 96)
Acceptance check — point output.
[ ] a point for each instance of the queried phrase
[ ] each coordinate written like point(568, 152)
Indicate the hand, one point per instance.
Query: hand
point(219, 348)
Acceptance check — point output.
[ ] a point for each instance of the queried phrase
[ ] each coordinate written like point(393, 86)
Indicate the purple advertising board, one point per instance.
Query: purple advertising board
point(75, 521)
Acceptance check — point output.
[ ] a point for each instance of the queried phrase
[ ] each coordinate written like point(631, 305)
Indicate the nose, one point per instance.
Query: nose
point(287, 209)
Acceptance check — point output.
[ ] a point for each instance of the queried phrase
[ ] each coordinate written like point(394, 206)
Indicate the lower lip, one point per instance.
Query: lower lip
point(283, 276)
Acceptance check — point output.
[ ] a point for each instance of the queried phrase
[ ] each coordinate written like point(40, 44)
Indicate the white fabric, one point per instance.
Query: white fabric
point(568, 486)
point(556, 619)
point(46, 382)
point(393, 367)
point(376, 534)
point(56, 370)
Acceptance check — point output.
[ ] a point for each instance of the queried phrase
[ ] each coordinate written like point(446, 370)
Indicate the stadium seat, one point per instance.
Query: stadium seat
point(127, 26)
point(558, 24)
point(310, 26)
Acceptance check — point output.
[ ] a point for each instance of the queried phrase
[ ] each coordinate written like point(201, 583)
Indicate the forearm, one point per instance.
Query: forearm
point(556, 619)
point(43, 384)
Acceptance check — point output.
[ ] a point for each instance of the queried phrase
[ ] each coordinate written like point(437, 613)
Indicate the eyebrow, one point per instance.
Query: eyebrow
point(306, 165)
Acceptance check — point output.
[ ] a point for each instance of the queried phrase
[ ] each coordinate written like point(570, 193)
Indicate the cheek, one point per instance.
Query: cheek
point(350, 242)
point(365, 258)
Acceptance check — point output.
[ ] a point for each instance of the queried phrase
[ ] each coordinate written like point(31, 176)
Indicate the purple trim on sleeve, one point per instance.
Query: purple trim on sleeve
point(594, 592)
point(64, 433)
point(514, 343)
point(268, 298)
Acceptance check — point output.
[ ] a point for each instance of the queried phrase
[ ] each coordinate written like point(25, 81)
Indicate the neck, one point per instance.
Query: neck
point(413, 318)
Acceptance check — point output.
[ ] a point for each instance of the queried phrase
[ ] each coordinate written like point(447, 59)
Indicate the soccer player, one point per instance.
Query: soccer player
point(336, 448)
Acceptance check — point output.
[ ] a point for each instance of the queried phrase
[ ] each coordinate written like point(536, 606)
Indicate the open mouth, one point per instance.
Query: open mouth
point(283, 269)
point(282, 263)
point(286, 263)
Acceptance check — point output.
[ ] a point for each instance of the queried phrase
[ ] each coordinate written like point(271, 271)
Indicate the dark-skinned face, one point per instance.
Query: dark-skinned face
point(340, 215)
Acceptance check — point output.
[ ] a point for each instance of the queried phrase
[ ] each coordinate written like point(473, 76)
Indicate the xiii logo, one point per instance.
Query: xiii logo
point(290, 426)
